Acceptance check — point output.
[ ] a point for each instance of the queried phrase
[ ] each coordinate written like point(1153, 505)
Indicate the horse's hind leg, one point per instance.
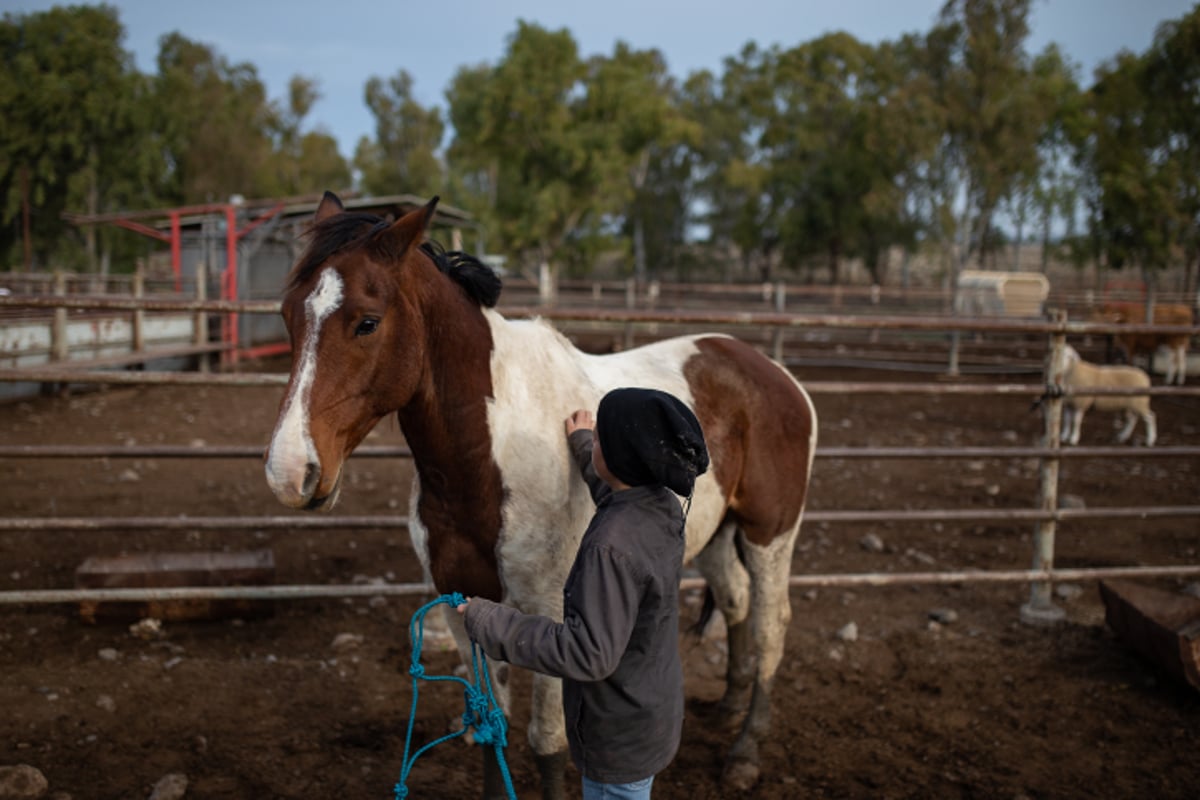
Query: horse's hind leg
point(729, 583)
point(770, 614)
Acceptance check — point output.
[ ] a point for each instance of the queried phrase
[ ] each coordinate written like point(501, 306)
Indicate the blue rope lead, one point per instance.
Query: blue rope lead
point(482, 712)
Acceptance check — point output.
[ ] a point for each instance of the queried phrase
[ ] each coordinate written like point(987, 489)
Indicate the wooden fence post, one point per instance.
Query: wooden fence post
point(1040, 610)
point(630, 304)
point(200, 326)
point(139, 315)
point(59, 347)
point(780, 306)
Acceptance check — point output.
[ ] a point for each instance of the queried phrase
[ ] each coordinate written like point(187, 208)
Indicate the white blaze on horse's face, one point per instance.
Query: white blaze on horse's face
point(293, 466)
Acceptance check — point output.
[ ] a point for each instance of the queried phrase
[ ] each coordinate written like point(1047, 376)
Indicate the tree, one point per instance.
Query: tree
point(821, 171)
point(730, 165)
point(634, 128)
point(904, 128)
point(1054, 193)
point(1131, 197)
point(994, 120)
point(304, 163)
point(1172, 78)
point(70, 101)
point(518, 145)
point(214, 124)
point(403, 156)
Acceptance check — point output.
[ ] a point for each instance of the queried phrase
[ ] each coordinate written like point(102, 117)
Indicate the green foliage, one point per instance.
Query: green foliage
point(403, 156)
point(84, 132)
point(993, 116)
point(69, 103)
point(301, 163)
point(794, 158)
point(517, 141)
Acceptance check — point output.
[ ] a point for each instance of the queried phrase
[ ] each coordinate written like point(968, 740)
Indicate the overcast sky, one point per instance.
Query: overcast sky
point(342, 43)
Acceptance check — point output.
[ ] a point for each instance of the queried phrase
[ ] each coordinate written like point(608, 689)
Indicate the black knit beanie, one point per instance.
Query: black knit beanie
point(651, 438)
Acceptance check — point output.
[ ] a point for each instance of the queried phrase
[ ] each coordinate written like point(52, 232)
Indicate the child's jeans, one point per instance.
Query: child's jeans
point(638, 790)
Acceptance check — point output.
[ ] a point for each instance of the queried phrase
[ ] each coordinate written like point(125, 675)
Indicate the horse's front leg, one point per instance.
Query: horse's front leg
point(548, 736)
point(494, 787)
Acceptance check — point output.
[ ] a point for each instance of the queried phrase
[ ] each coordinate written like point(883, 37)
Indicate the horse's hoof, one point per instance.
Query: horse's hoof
point(740, 775)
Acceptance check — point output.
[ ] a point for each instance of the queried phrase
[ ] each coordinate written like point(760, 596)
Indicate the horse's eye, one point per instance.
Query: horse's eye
point(366, 327)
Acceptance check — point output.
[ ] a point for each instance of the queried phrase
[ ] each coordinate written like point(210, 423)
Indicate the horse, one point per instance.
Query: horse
point(1130, 345)
point(382, 321)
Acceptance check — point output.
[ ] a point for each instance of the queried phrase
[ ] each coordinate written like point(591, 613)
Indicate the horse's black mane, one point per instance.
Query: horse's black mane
point(359, 229)
point(480, 281)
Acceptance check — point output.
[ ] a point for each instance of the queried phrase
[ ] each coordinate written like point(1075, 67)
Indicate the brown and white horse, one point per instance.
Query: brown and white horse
point(381, 322)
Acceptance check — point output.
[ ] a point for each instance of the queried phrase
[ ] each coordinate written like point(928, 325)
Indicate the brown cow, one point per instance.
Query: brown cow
point(1132, 344)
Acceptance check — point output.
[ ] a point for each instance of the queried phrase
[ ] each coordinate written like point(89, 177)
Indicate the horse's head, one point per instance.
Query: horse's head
point(356, 309)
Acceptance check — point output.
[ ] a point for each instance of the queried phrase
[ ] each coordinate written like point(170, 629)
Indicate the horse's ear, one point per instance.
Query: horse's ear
point(330, 205)
point(410, 229)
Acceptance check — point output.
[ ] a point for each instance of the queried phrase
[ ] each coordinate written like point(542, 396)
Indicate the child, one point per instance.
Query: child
point(617, 646)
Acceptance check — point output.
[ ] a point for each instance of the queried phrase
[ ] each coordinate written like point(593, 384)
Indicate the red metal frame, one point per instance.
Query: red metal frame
point(229, 277)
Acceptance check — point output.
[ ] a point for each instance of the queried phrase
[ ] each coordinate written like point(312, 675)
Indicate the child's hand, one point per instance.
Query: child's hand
point(462, 609)
point(581, 420)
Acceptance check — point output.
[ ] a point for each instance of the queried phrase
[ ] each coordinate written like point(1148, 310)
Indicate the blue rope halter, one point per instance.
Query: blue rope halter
point(482, 713)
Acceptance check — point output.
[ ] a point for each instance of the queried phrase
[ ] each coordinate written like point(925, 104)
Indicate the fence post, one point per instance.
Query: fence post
point(546, 288)
point(59, 346)
point(139, 315)
point(200, 326)
point(630, 304)
point(1040, 610)
point(780, 306)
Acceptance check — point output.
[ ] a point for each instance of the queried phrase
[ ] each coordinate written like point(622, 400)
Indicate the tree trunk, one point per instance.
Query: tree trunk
point(27, 244)
point(639, 249)
point(93, 206)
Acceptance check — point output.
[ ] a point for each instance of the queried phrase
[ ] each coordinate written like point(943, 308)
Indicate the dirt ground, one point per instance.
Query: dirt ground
point(980, 706)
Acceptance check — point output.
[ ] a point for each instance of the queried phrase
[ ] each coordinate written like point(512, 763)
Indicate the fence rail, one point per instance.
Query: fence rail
point(1046, 515)
point(70, 451)
point(311, 591)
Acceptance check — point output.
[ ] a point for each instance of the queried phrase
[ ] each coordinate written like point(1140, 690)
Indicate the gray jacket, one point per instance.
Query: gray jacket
point(617, 648)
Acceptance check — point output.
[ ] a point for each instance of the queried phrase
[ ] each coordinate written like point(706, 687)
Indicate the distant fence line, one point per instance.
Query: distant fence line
point(765, 319)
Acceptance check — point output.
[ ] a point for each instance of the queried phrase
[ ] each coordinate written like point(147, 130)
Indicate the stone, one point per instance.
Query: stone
point(871, 543)
point(22, 782)
point(170, 787)
point(346, 641)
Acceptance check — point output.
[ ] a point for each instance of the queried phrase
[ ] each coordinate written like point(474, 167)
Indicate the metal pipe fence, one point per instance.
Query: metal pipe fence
point(328, 521)
point(1046, 515)
point(68, 451)
point(334, 590)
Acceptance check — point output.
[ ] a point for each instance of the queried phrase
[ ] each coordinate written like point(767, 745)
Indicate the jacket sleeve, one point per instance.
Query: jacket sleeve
point(581, 449)
point(588, 644)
